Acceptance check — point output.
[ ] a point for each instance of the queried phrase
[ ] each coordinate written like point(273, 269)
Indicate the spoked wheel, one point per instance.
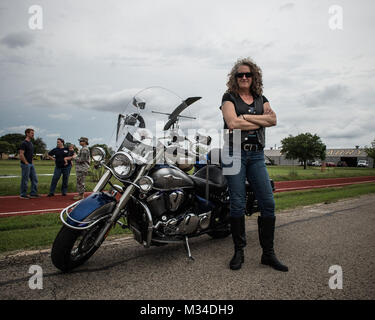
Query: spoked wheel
point(72, 248)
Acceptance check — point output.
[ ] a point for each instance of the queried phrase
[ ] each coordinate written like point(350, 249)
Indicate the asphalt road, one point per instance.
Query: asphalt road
point(309, 240)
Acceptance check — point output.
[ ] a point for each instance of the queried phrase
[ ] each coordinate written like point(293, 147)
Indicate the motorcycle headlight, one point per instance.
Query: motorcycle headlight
point(145, 184)
point(122, 165)
point(97, 154)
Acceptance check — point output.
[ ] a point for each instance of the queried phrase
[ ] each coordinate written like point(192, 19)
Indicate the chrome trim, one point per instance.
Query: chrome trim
point(130, 182)
point(118, 188)
point(102, 151)
point(150, 226)
point(168, 241)
point(157, 225)
point(90, 222)
point(171, 177)
point(103, 181)
point(105, 166)
point(154, 196)
point(117, 211)
point(175, 199)
point(150, 184)
point(132, 164)
point(160, 189)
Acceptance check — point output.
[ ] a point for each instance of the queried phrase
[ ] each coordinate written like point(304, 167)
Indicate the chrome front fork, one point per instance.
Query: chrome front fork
point(124, 200)
point(119, 206)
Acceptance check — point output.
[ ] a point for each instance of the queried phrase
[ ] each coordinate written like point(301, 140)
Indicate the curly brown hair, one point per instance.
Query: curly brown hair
point(256, 88)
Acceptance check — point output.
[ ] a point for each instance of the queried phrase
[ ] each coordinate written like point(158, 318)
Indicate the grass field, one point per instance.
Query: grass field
point(283, 173)
point(33, 232)
point(11, 186)
point(39, 231)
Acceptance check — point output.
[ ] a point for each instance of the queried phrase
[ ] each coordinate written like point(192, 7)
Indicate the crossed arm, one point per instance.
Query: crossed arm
point(248, 121)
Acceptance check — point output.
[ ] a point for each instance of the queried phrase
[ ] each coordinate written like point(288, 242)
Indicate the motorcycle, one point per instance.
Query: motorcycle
point(156, 198)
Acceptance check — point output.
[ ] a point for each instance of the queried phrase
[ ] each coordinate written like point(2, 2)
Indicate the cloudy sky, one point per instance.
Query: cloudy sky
point(73, 76)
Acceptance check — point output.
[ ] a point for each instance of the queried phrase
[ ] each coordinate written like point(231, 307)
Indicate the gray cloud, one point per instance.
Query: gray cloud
point(209, 53)
point(18, 40)
point(60, 116)
point(287, 6)
point(22, 128)
point(316, 79)
point(330, 95)
point(53, 98)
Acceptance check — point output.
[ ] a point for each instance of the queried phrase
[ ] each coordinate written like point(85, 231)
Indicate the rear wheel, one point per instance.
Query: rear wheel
point(72, 248)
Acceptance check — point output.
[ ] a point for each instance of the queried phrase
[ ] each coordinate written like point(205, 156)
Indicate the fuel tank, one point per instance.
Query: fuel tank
point(169, 178)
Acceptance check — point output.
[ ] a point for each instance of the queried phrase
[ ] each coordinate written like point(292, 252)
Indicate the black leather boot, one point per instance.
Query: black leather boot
point(266, 231)
point(237, 226)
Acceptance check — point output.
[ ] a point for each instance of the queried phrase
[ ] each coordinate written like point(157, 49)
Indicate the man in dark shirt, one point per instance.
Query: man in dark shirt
point(26, 151)
point(58, 154)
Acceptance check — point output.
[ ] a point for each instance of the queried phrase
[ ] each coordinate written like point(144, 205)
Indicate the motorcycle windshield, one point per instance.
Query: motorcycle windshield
point(153, 117)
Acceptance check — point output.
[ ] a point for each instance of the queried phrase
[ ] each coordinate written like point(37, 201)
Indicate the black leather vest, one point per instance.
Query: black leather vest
point(260, 133)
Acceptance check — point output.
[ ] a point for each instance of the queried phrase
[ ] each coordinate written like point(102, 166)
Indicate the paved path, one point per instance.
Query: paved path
point(309, 240)
point(14, 206)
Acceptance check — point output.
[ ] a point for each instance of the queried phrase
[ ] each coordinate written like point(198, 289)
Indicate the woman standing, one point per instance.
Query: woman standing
point(61, 167)
point(245, 108)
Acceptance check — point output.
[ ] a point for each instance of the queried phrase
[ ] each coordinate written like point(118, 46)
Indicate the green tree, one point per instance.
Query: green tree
point(6, 147)
point(13, 138)
point(303, 147)
point(39, 145)
point(371, 152)
point(17, 138)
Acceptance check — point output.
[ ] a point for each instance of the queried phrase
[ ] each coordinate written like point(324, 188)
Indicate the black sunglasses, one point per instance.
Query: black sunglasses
point(246, 74)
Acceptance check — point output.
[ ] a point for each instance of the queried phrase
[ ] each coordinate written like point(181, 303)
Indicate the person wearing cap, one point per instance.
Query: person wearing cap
point(82, 161)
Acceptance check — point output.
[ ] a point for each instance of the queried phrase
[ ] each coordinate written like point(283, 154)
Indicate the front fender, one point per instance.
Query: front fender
point(91, 208)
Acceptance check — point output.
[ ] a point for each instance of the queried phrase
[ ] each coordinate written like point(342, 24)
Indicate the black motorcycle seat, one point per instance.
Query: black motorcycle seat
point(216, 181)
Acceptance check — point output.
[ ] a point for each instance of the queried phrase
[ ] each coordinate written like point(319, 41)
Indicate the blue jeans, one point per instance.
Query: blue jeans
point(65, 172)
point(250, 166)
point(28, 171)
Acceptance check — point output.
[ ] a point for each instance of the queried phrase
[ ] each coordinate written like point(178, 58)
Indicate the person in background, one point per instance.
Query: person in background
point(26, 152)
point(68, 160)
point(58, 154)
point(82, 161)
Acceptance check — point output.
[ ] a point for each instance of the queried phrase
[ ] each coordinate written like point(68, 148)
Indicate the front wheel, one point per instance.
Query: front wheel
point(72, 248)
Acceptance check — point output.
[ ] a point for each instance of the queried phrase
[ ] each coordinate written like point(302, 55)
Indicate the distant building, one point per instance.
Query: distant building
point(350, 156)
point(12, 156)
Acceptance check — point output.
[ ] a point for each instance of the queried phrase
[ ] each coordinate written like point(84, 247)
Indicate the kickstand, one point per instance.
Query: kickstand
point(187, 248)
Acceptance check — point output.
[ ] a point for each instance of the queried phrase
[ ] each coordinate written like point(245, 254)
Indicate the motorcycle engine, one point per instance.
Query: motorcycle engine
point(163, 202)
point(188, 223)
point(173, 216)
